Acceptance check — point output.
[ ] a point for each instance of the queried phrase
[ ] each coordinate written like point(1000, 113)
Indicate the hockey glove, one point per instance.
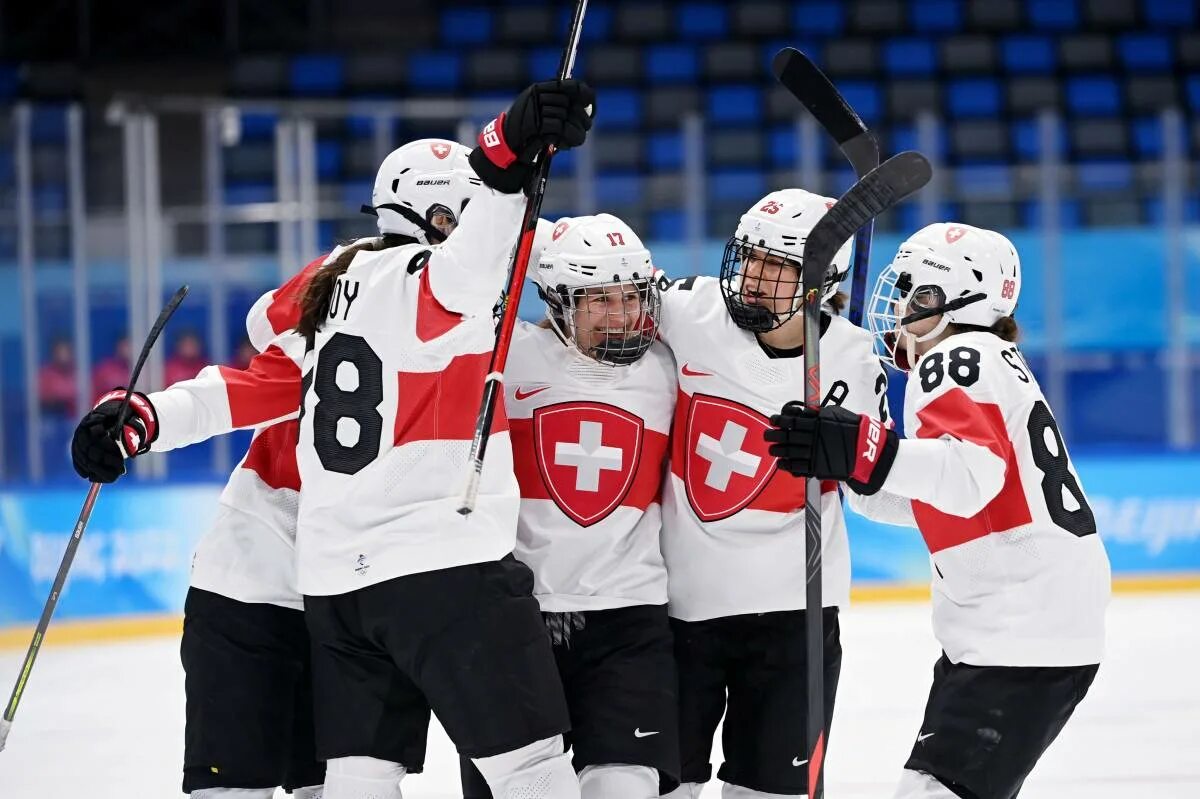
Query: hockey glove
point(552, 112)
point(834, 444)
point(100, 446)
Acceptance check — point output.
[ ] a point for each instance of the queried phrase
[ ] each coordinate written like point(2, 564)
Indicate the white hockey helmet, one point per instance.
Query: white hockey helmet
point(964, 274)
point(599, 259)
point(421, 189)
point(776, 227)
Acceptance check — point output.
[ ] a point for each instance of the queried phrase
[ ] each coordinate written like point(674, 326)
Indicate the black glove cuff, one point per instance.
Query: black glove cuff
point(508, 181)
point(891, 443)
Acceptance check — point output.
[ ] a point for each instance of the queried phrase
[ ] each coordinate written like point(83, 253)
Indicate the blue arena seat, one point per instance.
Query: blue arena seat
point(672, 63)
point(1094, 95)
point(665, 150)
point(864, 97)
point(618, 188)
point(1104, 176)
point(543, 63)
point(1147, 137)
point(436, 71)
point(1026, 53)
point(316, 75)
point(936, 16)
point(734, 104)
point(1145, 52)
point(244, 192)
point(910, 56)
point(622, 108)
point(1170, 13)
point(329, 159)
point(467, 26)
point(824, 18)
point(702, 20)
point(974, 97)
point(1054, 14)
point(667, 224)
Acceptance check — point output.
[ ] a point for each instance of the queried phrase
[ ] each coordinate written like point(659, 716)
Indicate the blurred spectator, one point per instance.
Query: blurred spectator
point(187, 359)
point(245, 351)
point(113, 370)
point(56, 380)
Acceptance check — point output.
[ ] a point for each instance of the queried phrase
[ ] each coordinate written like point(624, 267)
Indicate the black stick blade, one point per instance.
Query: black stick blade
point(808, 84)
point(882, 188)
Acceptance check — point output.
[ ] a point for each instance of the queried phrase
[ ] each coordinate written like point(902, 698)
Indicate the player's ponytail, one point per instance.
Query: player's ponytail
point(314, 305)
point(1006, 328)
point(837, 302)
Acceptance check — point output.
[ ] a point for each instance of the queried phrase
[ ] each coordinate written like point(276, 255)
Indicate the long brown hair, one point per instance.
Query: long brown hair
point(1005, 327)
point(314, 305)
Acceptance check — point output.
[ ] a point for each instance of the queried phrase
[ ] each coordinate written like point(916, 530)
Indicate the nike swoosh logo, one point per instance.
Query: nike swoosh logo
point(518, 394)
point(690, 373)
point(797, 762)
point(926, 735)
point(637, 733)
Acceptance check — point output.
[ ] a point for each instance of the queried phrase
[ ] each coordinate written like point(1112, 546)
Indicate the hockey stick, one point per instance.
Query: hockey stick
point(800, 76)
point(494, 383)
point(876, 192)
point(85, 513)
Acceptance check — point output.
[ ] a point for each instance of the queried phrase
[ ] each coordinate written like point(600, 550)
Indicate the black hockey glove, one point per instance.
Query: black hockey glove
point(834, 444)
point(99, 446)
point(552, 112)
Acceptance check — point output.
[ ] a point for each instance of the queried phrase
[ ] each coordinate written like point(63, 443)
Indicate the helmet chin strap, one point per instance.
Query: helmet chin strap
point(432, 234)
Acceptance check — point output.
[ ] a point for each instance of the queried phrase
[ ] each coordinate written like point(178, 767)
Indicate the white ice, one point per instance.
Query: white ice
point(106, 721)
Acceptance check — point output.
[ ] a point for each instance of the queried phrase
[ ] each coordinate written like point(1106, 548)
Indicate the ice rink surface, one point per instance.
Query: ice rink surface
point(106, 721)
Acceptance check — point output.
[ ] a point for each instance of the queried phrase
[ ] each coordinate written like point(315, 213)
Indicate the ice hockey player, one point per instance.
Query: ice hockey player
point(1020, 577)
point(394, 344)
point(589, 394)
point(733, 523)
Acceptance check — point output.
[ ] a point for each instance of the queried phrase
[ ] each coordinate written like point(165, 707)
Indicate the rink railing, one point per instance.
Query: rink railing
point(150, 227)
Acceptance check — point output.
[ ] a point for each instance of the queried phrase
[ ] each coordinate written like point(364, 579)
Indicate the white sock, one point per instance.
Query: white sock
point(538, 771)
point(363, 778)
point(731, 791)
point(233, 793)
point(615, 781)
point(919, 785)
point(686, 790)
point(308, 792)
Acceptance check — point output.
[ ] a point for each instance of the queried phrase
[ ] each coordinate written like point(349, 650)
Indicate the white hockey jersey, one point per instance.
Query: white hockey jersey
point(733, 523)
point(589, 445)
point(249, 552)
point(390, 394)
point(1020, 575)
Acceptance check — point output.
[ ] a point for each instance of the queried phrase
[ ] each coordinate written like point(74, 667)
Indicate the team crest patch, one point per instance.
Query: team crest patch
point(587, 455)
point(559, 229)
point(953, 234)
point(726, 464)
point(440, 150)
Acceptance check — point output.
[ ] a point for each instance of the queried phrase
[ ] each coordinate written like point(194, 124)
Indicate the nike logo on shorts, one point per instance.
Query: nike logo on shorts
point(637, 733)
point(519, 394)
point(797, 762)
point(926, 735)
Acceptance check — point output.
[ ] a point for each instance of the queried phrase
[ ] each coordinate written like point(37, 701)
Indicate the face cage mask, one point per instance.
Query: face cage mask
point(752, 316)
point(625, 340)
point(894, 294)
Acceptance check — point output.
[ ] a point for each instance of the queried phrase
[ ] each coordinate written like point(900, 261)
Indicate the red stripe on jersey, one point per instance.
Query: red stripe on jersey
point(267, 389)
point(956, 414)
point(433, 319)
point(272, 455)
point(284, 311)
point(443, 406)
point(589, 507)
point(721, 483)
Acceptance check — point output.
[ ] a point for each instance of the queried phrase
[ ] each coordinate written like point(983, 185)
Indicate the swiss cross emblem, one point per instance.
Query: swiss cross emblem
point(953, 234)
point(559, 229)
point(829, 204)
point(440, 149)
point(726, 464)
point(587, 455)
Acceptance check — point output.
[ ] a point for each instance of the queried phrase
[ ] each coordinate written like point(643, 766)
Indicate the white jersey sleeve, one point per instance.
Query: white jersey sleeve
point(467, 272)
